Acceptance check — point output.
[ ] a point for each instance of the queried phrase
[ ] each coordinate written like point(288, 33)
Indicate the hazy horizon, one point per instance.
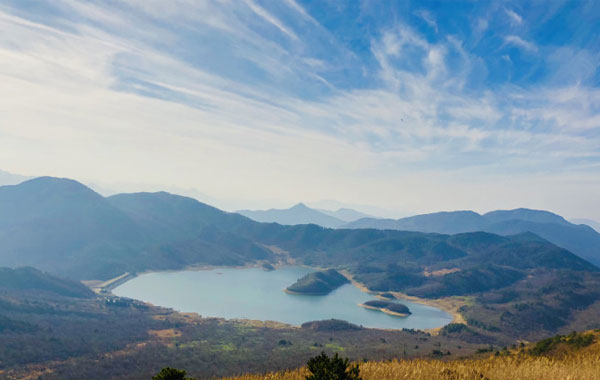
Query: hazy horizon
point(7, 178)
point(406, 107)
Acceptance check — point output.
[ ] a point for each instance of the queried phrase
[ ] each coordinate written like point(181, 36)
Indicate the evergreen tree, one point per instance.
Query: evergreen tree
point(323, 367)
point(169, 373)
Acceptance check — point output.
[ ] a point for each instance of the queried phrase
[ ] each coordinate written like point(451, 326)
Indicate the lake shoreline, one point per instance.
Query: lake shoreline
point(448, 305)
point(113, 284)
point(107, 286)
point(384, 310)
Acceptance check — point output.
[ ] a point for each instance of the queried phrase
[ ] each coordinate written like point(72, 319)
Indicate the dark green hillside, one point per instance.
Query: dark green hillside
point(318, 283)
point(8, 325)
point(31, 279)
point(539, 305)
point(469, 281)
point(170, 214)
point(62, 226)
point(579, 239)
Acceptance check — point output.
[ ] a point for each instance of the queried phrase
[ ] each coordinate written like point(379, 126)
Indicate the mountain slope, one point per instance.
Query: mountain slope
point(30, 279)
point(63, 227)
point(591, 223)
point(298, 214)
point(189, 232)
point(439, 222)
point(345, 214)
point(579, 239)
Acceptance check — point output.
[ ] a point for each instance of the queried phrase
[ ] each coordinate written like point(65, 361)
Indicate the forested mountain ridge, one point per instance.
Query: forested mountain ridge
point(47, 220)
point(578, 238)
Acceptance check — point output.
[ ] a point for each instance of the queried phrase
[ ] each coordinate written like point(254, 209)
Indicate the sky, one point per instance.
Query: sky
point(405, 106)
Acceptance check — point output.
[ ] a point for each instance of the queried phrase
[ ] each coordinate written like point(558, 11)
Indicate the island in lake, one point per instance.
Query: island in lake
point(268, 267)
point(388, 307)
point(318, 283)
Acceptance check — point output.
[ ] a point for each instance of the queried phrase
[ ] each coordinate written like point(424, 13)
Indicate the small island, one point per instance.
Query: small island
point(267, 267)
point(391, 308)
point(318, 283)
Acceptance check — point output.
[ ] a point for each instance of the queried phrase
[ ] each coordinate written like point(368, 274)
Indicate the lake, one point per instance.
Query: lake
point(252, 293)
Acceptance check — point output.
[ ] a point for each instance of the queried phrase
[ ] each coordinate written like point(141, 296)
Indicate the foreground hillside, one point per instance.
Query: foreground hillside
point(569, 359)
point(51, 329)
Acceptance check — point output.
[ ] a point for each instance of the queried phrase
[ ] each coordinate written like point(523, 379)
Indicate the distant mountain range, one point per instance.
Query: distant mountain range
point(302, 214)
point(592, 223)
point(345, 214)
point(62, 226)
point(579, 239)
point(7, 178)
point(65, 228)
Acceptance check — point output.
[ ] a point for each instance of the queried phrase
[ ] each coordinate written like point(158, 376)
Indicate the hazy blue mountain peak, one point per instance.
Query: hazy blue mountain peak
point(7, 178)
point(525, 214)
point(588, 222)
point(297, 214)
point(300, 206)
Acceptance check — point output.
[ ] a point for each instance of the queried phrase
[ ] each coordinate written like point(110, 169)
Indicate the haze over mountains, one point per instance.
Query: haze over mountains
point(65, 228)
point(7, 178)
point(592, 223)
point(578, 238)
point(302, 214)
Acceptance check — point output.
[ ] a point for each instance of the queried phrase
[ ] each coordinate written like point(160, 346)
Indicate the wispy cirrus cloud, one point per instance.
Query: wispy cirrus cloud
point(514, 16)
point(224, 96)
point(520, 43)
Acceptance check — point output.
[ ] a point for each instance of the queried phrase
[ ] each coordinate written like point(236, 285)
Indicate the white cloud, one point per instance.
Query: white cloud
point(75, 107)
point(428, 18)
point(521, 43)
point(515, 18)
point(260, 11)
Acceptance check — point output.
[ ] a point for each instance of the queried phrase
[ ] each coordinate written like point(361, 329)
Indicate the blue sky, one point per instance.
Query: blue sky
point(407, 106)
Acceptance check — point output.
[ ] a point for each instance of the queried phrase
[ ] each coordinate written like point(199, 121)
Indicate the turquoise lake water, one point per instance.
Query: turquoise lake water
point(256, 294)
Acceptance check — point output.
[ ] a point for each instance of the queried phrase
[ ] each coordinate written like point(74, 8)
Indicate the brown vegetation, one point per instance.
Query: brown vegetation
point(581, 363)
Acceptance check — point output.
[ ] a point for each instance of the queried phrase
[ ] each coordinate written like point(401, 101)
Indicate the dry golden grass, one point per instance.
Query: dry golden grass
point(165, 334)
point(582, 365)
